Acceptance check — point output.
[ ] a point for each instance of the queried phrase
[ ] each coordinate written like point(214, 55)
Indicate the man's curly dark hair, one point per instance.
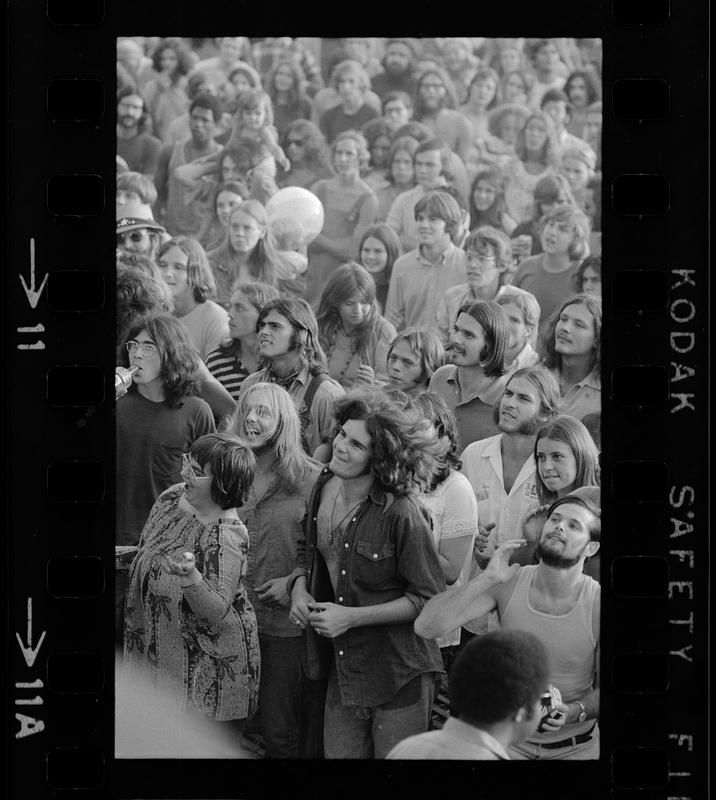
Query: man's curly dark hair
point(403, 456)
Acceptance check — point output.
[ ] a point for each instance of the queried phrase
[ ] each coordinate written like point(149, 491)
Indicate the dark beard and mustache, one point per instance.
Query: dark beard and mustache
point(552, 559)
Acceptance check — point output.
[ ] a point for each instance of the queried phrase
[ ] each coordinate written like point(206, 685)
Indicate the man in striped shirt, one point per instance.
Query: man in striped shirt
point(236, 358)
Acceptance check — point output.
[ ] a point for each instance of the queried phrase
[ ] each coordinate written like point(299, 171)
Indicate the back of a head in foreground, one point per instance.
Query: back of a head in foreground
point(496, 675)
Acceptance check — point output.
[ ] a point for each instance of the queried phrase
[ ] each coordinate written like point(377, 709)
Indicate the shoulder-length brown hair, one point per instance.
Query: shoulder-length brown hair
point(550, 150)
point(198, 272)
point(494, 325)
point(552, 358)
point(349, 279)
point(569, 431)
point(180, 361)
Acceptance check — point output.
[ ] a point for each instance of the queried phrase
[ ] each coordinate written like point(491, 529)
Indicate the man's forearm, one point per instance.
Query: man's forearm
point(590, 702)
point(391, 613)
point(450, 609)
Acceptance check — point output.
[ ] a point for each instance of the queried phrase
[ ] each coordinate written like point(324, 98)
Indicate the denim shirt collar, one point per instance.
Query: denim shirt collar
point(377, 495)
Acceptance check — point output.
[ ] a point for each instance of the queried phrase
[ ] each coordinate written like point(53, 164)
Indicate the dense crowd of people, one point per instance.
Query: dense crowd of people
point(358, 466)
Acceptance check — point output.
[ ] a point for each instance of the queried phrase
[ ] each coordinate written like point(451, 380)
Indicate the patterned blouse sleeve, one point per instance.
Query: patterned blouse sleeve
point(225, 546)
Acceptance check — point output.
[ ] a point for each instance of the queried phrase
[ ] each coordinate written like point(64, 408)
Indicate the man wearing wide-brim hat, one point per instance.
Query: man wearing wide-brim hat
point(137, 230)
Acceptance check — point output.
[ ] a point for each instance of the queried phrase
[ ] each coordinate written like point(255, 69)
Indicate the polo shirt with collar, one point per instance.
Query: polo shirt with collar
point(474, 413)
point(584, 397)
point(417, 285)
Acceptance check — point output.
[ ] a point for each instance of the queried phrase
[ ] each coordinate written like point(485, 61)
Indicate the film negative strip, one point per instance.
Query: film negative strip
point(60, 408)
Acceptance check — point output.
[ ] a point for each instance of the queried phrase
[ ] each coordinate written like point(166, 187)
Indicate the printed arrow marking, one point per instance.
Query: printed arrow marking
point(29, 653)
point(33, 296)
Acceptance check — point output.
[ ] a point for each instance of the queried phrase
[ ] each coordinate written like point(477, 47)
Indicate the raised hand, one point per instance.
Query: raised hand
point(365, 374)
point(498, 569)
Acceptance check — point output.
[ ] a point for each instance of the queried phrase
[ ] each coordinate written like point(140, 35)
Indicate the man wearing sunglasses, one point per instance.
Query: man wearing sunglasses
point(137, 231)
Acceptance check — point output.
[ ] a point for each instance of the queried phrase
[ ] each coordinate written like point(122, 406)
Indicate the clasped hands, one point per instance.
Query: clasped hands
point(326, 619)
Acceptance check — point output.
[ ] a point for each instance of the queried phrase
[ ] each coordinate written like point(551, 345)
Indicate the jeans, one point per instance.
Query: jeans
point(279, 693)
point(290, 712)
point(352, 732)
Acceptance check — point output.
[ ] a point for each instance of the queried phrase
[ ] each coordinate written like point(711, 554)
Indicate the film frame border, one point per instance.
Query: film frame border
point(666, 622)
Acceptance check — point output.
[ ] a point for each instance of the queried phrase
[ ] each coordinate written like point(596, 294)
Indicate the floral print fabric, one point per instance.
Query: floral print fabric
point(199, 644)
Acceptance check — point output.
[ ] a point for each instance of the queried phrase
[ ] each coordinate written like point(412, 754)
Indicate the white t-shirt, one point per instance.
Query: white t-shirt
point(453, 513)
point(207, 326)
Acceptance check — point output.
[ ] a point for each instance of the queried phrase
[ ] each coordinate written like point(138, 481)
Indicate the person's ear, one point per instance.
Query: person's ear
point(591, 549)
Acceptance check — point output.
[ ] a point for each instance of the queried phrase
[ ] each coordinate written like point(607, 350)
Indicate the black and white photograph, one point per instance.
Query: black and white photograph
point(358, 398)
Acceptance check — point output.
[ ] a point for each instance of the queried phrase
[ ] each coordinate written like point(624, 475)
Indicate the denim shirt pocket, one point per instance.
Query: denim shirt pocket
point(375, 566)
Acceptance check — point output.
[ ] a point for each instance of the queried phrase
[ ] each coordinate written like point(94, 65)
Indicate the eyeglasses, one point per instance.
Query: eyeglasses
point(146, 348)
point(133, 236)
point(188, 469)
point(476, 258)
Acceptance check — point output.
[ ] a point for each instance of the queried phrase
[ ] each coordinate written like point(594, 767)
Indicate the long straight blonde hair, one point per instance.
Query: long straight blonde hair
point(291, 458)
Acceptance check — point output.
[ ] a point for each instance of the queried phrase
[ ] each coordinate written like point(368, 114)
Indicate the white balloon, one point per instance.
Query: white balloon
point(300, 207)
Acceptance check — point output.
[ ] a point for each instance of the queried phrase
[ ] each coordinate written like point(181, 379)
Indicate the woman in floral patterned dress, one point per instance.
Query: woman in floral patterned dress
point(189, 624)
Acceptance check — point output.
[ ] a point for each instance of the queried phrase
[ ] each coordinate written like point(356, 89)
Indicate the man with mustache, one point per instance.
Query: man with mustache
point(558, 603)
point(501, 468)
point(399, 65)
point(472, 384)
point(139, 149)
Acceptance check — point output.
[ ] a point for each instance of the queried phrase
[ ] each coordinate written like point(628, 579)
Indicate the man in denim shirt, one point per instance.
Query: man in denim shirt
point(368, 566)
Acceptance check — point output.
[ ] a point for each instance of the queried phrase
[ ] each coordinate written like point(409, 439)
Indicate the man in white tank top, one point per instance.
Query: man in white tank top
point(556, 602)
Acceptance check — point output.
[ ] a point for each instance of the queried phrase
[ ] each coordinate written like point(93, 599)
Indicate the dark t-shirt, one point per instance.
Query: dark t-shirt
point(335, 120)
point(151, 438)
point(383, 83)
point(550, 288)
point(141, 153)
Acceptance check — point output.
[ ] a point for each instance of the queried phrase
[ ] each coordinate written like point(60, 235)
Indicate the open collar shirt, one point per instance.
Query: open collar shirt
point(473, 412)
point(387, 553)
point(417, 286)
point(273, 522)
point(482, 466)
